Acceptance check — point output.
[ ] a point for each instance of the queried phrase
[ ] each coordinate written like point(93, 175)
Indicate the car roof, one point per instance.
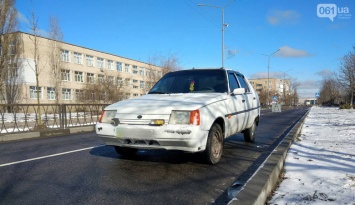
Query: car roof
point(225, 69)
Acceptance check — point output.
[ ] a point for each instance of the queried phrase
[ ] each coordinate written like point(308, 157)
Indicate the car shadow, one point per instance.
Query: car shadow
point(161, 156)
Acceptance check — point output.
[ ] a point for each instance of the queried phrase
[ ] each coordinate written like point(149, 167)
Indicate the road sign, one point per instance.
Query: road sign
point(274, 98)
point(317, 95)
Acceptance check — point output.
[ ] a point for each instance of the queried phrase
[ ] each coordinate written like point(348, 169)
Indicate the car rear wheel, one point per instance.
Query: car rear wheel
point(125, 151)
point(214, 146)
point(249, 134)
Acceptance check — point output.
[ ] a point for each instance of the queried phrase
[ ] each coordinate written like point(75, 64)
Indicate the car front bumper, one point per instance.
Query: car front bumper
point(170, 137)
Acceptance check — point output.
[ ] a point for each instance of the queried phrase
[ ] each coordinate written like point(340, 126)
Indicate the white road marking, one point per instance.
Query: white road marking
point(48, 156)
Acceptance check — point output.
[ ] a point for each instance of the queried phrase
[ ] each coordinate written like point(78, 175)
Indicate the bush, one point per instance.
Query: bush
point(345, 106)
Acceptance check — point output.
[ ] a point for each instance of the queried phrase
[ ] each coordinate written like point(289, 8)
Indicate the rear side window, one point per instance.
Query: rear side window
point(233, 83)
point(243, 83)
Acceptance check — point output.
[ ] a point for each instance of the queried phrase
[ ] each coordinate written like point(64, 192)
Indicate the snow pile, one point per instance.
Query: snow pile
point(320, 165)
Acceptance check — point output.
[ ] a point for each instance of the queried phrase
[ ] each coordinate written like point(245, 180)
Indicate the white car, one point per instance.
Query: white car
point(190, 110)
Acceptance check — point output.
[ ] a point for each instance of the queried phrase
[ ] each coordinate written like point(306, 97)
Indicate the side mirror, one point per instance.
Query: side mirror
point(238, 91)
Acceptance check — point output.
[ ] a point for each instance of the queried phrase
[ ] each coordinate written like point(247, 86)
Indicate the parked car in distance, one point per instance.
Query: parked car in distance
point(189, 110)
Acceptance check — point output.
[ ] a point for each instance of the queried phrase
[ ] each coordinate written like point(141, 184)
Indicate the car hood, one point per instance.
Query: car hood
point(164, 103)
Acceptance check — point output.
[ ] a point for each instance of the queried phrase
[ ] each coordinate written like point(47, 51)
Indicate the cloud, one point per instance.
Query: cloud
point(288, 52)
point(26, 24)
point(286, 17)
point(325, 73)
point(309, 84)
point(308, 88)
point(271, 75)
point(22, 18)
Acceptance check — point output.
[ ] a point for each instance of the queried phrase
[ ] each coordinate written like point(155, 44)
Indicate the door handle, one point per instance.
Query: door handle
point(243, 101)
point(254, 98)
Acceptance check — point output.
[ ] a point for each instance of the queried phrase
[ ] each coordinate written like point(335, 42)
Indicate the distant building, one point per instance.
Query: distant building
point(80, 67)
point(277, 87)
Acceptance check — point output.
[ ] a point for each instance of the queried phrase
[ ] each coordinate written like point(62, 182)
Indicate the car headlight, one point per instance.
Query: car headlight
point(107, 115)
point(178, 117)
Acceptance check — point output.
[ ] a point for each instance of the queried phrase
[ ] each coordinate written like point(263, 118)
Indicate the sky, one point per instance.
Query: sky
point(319, 167)
point(312, 35)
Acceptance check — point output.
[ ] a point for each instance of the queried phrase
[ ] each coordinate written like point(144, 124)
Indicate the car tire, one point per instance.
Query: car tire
point(214, 146)
point(125, 151)
point(249, 134)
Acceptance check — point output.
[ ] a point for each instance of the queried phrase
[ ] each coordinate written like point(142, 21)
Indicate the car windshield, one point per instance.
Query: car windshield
point(192, 81)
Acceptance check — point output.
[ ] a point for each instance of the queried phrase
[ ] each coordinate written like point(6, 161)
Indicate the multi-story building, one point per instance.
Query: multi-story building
point(277, 87)
point(79, 69)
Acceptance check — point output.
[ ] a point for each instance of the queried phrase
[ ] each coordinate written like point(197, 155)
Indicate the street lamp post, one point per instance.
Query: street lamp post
point(223, 25)
point(268, 75)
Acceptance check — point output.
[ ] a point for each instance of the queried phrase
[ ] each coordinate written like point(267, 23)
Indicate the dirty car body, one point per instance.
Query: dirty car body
point(189, 110)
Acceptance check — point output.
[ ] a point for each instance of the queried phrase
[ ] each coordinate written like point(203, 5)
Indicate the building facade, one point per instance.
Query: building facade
point(277, 87)
point(69, 73)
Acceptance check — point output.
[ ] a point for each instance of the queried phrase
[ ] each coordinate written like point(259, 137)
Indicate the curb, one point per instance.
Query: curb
point(45, 133)
point(259, 187)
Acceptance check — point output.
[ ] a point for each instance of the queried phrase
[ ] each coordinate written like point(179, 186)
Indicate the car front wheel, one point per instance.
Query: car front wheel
point(214, 146)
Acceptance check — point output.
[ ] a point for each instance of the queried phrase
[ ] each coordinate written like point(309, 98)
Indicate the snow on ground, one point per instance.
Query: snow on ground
point(320, 165)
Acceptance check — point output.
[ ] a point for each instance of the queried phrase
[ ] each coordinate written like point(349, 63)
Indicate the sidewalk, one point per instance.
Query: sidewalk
point(320, 165)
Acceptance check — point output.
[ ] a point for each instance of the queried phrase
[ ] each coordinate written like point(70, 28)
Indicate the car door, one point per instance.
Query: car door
point(236, 116)
point(250, 101)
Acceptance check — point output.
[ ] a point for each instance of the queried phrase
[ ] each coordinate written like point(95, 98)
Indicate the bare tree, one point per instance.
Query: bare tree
point(107, 89)
point(346, 76)
point(36, 67)
point(294, 91)
point(10, 51)
point(54, 55)
point(168, 64)
point(329, 91)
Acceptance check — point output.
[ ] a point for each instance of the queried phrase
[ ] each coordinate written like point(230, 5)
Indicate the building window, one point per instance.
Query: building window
point(51, 93)
point(90, 78)
point(79, 77)
point(33, 92)
point(135, 86)
point(128, 95)
point(100, 62)
point(127, 82)
point(111, 79)
point(135, 81)
point(66, 94)
point(78, 58)
point(126, 68)
point(135, 95)
point(134, 69)
point(89, 60)
point(110, 64)
point(141, 84)
point(101, 78)
point(141, 71)
point(119, 81)
point(79, 94)
point(65, 56)
point(65, 75)
point(119, 66)
point(147, 72)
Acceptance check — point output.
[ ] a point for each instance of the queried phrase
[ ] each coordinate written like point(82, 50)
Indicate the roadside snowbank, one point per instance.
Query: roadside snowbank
point(320, 165)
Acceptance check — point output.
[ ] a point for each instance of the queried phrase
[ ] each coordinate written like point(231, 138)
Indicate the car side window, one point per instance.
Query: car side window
point(233, 83)
point(243, 83)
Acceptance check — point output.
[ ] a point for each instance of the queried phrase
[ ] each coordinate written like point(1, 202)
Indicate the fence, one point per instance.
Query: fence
point(25, 117)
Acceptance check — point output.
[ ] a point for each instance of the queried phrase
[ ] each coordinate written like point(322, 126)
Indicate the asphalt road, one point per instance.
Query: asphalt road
point(79, 169)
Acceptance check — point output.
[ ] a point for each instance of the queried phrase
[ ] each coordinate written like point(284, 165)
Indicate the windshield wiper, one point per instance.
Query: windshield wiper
point(157, 92)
